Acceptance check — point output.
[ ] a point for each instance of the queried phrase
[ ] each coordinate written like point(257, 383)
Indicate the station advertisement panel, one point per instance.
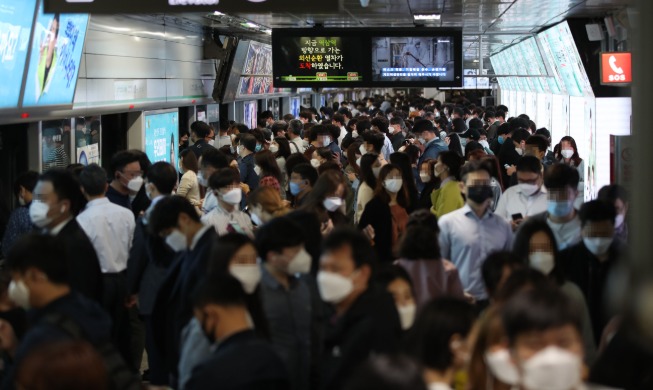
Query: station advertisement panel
point(162, 136)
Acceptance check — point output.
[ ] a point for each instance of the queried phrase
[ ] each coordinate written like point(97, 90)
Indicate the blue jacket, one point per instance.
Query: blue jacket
point(247, 173)
point(431, 151)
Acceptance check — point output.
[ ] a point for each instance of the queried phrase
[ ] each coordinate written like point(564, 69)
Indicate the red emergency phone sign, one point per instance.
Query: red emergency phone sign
point(616, 68)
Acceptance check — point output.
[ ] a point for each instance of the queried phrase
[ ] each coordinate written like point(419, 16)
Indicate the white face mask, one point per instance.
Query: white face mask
point(519, 151)
point(257, 170)
point(332, 203)
point(502, 367)
point(315, 163)
point(233, 196)
point(407, 315)
point(211, 142)
point(542, 261)
point(201, 180)
point(354, 134)
point(177, 241)
point(358, 161)
point(256, 219)
point(424, 177)
point(19, 294)
point(619, 220)
point(552, 368)
point(21, 201)
point(362, 150)
point(567, 153)
point(38, 213)
point(528, 189)
point(249, 275)
point(598, 245)
point(393, 185)
point(148, 192)
point(334, 287)
point(274, 148)
point(300, 264)
point(135, 184)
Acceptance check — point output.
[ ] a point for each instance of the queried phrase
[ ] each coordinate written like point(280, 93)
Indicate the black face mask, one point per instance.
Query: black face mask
point(479, 194)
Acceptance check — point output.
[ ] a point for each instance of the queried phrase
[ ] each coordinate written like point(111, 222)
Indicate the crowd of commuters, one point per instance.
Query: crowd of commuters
point(392, 243)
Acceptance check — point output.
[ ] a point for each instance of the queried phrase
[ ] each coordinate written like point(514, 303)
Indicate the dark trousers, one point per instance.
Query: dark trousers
point(113, 300)
point(157, 371)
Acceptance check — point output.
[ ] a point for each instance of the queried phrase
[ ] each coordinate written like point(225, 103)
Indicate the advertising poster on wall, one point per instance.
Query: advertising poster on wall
point(591, 189)
point(15, 25)
point(89, 154)
point(250, 117)
point(162, 136)
point(295, 106)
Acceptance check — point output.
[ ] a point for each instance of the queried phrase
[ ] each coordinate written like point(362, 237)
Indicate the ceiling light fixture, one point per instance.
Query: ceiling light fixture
point(427, 16)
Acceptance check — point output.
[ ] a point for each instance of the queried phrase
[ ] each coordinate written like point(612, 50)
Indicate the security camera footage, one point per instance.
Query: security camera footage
point(413, 58)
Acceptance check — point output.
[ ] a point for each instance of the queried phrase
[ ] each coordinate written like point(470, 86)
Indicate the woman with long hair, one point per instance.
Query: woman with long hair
point(568, 155)
point(280, 147)
point(448, 197)
point(265, 204)
point(370, 167)
point(189, 187)
point(267, 169)
point(326, 200)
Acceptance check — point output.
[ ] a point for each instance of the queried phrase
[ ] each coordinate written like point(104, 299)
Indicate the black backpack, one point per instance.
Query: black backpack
point(120, 376)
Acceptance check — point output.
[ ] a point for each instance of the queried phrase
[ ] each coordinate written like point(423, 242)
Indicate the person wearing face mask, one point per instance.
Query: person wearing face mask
point(199, 132)
point(380, 125)
point(561, 182)
point(526, 199)
point(267, 170)
point(397, 282)
point(111, 230)
point(432, 144)
point(543, 331)
point(264, 204)
point(619, 197)
point(223, 135)
point(227, 216)
point(370, 167)
point(503, 133)
point(189, 186)
point(441, 345)
point(469, 234)
point(294, 134)
point(430, 184)
point(287, 296)
point(511, 151)
point(447, 197)
point(352, 135)
point(176, 221)
point(326, 200)
point(41, 282)
point(590, 262)
point(127, 178)
point(240, 360)
point(396, 131)
point(246, 164)
point(535, 245)
point(209, 163)
point(280, 148)
point(19, 221)
point(569, 156)
point(57, 201)
point(386, 212)
point(364, 318)
point(148, 263)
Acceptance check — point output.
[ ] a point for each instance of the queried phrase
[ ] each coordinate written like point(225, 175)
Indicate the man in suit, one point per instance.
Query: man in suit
point(58, 199)
point(176, 219)
point(148, 263)
point(432, 144)
point(199, 131)
point(241, 360)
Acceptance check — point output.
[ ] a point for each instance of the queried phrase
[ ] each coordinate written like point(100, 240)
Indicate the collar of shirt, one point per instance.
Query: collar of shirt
point(268, 279)
point(445, 181)
point(199, 235)
point(98, 202)
point(55, 230)
point(467, 210)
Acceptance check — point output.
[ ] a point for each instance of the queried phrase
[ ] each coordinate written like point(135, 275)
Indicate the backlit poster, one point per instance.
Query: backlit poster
point(56, 52)
point(249, 116)
point(16, 18)
point(162, 136)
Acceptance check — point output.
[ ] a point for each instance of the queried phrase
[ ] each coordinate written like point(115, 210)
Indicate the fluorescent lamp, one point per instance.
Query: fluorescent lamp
point(427, 16)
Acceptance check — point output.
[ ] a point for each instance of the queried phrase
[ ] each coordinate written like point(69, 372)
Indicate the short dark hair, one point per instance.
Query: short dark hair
point(279, 126)
point(166, 213)
point(201, 129)
point(544, 132)
point(538, 140)
point(93, 179)
point(529, 164)
point(500, 114)
point(504, 129)
point(43, 252)
point(538, 310)
point(387, 372)
point(520, 134)
point(429, 339)
point(597, 211)
point(492, 269)
point(453, 161)
point(26, 180)
point(422, 125)
point(279, 233)
point(375, 139)
point(558, 176)
point(120, 160)
point(381, 123)
point(220, 289)
point(613, 192)
point(306, 171)
point(214, 158)
point(223, 178)
point(248, 141)
point(522, 244)
point(420, 240)
point(163, 176)
point(361, 249)
point(66, 186)
point(296, 127)
point(387, 273)
point(474, 166)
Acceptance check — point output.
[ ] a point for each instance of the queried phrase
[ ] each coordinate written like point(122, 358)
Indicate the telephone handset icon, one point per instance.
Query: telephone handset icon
point(612, 61)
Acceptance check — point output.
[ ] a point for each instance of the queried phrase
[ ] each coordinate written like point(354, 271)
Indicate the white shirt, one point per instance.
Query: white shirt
point(222, 140)
point(221, 219)
point(343, 133)
point(387, 149)
point(55, 230)
point(514, 201)
point(210, 202)
point(299, 142)
point(111, 229)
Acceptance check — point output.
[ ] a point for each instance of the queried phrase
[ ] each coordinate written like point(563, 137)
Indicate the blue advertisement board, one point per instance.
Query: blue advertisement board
point(56, 52)
point(162, 136)
point(15, 27)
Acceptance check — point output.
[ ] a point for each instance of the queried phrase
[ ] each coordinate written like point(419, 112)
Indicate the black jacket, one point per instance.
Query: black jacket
point(241, 362)
point(371, 325)
point(84, 267)
point(199, 147)
point(377, 213)
point(508, 156)
point(397, 140)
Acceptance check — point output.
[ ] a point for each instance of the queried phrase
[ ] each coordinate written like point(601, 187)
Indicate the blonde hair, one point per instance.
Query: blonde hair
point(269, 199)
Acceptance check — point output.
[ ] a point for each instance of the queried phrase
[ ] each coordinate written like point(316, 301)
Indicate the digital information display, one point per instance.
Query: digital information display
point(162, 136)
point(412, 58)
point(16, 18)
point(320, 59)
point(57, 46)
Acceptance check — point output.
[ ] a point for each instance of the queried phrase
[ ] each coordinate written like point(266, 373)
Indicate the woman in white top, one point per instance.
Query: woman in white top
point(189, 187)
point(370, 166)
point(569, 156)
